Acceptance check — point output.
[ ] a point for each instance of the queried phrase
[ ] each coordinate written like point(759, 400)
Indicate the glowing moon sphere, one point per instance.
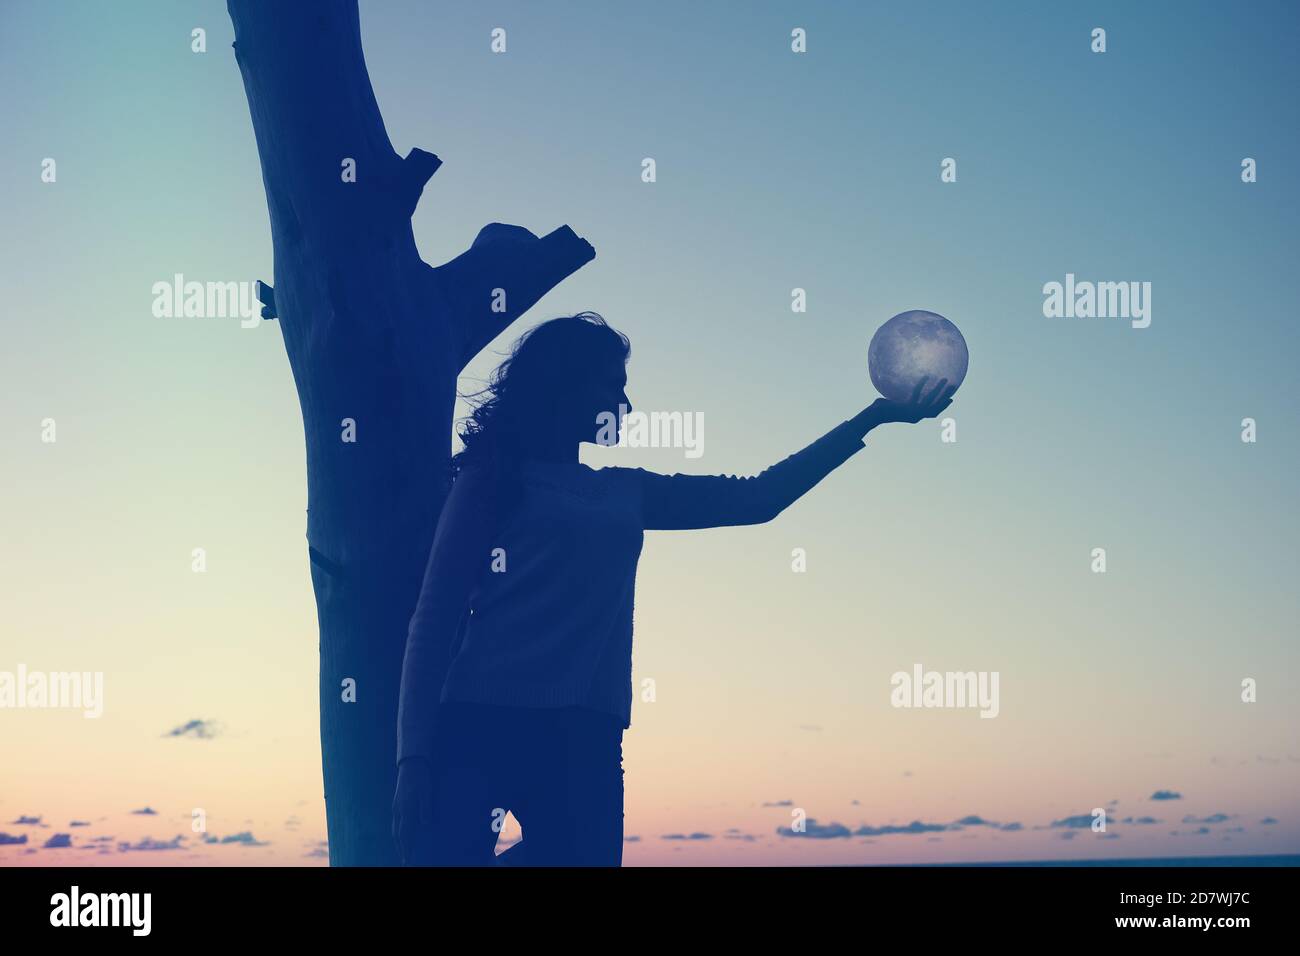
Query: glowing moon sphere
point(914, 345)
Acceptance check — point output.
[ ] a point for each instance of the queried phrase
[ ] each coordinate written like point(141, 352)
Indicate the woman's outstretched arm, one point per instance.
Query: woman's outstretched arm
point(678, 502)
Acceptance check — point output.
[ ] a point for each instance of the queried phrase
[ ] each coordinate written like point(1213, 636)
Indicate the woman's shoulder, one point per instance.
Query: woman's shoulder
point(619, 473)
point(475, 482)
point(624, 481)
point(473, 474)
point(474, 471)
point(638, 476)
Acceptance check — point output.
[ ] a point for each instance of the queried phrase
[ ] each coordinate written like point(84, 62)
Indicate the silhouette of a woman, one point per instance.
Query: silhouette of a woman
point(517, 681)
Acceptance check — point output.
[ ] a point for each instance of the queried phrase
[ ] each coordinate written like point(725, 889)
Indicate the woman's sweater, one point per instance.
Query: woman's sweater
point(551, 587)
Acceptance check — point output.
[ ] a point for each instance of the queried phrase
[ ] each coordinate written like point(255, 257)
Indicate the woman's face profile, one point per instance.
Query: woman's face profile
point(605, 397)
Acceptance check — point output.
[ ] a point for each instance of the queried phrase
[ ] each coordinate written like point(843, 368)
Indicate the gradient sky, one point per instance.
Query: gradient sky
point(775, 171)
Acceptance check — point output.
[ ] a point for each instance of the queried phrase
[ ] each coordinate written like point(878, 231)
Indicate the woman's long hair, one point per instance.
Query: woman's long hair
point(529, 388)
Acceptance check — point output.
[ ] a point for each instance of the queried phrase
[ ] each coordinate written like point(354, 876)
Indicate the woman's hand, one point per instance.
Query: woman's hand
point(921, 405)
point(412, 805)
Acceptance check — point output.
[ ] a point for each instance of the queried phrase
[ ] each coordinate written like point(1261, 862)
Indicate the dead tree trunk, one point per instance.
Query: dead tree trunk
point(375, 336)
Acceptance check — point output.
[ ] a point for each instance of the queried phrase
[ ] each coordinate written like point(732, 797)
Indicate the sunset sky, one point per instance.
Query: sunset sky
point(775, 171)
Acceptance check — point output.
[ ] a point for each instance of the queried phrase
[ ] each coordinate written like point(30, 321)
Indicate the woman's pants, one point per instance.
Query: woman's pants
point(559, 771)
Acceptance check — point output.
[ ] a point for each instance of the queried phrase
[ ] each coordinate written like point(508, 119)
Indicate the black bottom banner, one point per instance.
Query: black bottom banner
point(1150, 904)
